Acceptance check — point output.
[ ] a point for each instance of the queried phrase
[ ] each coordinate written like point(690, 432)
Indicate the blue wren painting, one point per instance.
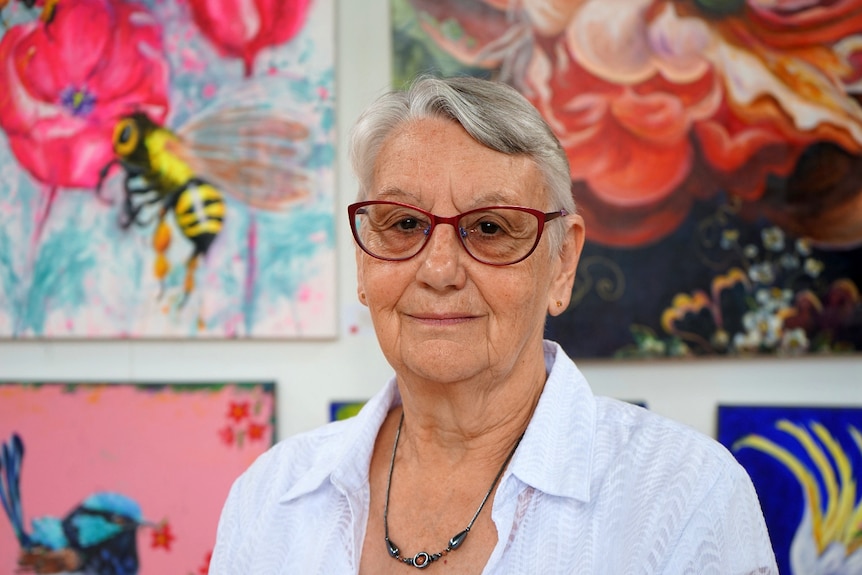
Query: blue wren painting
point(98, 537)
point(123, 478)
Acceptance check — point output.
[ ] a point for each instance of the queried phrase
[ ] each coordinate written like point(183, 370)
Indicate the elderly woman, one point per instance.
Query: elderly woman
point(486, 452)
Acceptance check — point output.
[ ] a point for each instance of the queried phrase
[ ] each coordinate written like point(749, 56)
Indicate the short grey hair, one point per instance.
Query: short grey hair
point(493, 113)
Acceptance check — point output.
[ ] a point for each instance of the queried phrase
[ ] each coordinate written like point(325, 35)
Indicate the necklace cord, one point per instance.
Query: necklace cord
point(423, 559)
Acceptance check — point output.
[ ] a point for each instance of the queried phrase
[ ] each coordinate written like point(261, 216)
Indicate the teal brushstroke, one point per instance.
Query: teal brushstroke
point(327, 119)
point(290, 252)
point(8, 278)
point(322, 156)
point(63, 261)
point(289, 255)
point(252, 269)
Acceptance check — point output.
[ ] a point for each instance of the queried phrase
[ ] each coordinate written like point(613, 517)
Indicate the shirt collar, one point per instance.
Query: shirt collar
point(556, 453)
point(347, 465)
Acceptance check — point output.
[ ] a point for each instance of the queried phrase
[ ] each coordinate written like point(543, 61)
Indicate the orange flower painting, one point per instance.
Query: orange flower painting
point(707, 140)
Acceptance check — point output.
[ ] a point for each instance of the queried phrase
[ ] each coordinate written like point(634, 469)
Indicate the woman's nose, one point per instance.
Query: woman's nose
point(442, 264)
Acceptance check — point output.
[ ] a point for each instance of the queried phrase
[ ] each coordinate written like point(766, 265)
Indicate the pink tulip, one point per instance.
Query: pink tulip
point(242, 28)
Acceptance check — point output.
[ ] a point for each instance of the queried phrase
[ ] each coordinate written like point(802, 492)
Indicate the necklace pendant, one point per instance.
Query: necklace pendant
point(458, 539)
point(392, 548)
point(421, 560)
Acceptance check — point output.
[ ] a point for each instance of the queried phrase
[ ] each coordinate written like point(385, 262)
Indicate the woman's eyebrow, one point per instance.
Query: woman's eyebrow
point(396, 194)
point(496, 198)
point(485, 199)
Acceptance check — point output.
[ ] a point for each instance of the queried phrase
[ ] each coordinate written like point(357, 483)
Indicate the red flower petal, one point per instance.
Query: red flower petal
point(162, 537)
point(66, 84)
point(238, 410)
point(256, 431)
point(241, 29)
point(226, 434)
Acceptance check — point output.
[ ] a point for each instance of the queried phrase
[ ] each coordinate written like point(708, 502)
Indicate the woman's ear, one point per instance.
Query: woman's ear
point(560, 293)
point(360, 279)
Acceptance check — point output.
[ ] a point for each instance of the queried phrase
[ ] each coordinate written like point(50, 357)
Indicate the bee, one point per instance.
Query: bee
point(248, 152)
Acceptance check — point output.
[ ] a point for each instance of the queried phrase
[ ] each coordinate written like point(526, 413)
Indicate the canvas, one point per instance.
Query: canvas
point(138, 472)
point(167, 169)
point(339, 410)
point(715, 152)
point(805, 463)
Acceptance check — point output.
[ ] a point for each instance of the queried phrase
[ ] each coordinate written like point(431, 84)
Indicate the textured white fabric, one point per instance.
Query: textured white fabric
point(596, 486)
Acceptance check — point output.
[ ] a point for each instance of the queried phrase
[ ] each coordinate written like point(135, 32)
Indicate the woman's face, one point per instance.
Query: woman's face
point(442, 315)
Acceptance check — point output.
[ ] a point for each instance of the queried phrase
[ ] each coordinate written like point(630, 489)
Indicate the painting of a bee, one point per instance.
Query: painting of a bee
point(167, 169)
point(243, 149)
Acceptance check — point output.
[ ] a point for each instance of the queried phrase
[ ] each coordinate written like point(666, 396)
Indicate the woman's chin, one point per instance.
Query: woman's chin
point(444, 359)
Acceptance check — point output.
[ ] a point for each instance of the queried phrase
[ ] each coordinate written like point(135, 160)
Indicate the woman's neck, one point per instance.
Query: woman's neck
point(468, 419)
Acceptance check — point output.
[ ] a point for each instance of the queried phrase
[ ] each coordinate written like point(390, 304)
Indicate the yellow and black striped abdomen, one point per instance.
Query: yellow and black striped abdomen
point(199, 211)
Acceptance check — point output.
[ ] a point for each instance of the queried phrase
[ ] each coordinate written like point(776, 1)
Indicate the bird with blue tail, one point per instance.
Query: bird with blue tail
point(98, 537)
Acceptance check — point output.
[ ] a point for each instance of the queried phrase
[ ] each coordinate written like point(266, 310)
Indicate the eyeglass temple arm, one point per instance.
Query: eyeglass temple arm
point(554, 215)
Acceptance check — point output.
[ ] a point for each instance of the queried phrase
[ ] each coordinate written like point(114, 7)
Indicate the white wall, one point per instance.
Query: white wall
point(310, 374)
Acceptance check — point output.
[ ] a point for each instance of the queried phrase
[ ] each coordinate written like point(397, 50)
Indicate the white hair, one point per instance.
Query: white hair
point(493, 113)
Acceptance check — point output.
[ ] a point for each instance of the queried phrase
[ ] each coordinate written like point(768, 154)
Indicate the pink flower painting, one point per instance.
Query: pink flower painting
point(114, 115)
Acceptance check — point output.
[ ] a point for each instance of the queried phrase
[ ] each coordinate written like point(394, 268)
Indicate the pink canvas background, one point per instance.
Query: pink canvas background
point(169, 450)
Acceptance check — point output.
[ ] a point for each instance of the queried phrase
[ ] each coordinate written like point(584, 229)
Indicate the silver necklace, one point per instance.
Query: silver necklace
point(423, 559)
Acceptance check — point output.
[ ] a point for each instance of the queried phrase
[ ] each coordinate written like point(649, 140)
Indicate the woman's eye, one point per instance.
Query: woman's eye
point(489, 228)
point(407, 224)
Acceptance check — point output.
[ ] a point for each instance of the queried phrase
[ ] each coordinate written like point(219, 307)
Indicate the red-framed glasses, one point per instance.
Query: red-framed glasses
point(496, 235)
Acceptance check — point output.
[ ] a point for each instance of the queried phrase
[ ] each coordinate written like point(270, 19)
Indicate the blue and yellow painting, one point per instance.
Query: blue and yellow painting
point(339, 410)
point(805, 463)
point(167, 169)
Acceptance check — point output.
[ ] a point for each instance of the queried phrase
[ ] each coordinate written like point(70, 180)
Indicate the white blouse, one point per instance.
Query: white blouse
point(596, 486)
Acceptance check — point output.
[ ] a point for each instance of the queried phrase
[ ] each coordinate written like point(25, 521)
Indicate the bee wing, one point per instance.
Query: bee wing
point(255, 154)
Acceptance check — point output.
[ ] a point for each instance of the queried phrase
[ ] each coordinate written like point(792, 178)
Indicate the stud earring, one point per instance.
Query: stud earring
point(559, 303)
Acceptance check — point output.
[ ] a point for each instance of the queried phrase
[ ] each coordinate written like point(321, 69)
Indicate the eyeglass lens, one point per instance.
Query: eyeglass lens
point(498, 235)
